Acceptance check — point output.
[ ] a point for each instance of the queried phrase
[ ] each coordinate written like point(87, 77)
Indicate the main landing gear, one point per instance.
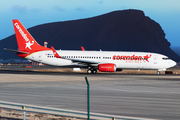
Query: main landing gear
point(92, 70)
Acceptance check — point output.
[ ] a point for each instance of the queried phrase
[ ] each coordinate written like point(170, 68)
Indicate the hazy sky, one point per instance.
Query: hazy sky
point(35, 12)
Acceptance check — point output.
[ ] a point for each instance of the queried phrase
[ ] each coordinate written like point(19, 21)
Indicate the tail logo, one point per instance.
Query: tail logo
point(28, 43)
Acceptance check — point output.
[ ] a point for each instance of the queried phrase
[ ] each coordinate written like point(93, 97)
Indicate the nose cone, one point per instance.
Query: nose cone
point(172, 63)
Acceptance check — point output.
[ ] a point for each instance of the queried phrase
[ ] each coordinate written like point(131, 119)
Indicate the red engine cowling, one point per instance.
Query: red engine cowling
point(108, 67)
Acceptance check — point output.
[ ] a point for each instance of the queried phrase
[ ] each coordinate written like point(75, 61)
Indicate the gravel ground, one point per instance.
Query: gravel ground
point(18, 115)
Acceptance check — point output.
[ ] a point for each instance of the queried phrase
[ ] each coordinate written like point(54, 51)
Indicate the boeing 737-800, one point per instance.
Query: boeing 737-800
point(92, 60)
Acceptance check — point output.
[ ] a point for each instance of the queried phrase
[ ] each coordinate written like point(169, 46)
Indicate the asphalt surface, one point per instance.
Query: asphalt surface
point(147, 96)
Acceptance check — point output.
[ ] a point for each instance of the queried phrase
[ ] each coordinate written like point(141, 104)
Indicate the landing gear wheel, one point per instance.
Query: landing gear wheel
point(89, 71)
point(158, 72)
point(94, 71)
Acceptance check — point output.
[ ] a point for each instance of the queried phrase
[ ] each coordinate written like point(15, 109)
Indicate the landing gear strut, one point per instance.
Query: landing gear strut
point(92, 70)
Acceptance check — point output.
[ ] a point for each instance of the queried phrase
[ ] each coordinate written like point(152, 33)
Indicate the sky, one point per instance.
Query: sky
point(35, 12)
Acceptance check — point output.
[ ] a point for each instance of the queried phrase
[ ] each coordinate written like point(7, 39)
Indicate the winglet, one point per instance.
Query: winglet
point(82, 48)
point(55, 53)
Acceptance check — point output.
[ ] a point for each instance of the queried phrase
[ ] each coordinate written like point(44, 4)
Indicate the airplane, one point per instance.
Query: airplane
point(104, 61)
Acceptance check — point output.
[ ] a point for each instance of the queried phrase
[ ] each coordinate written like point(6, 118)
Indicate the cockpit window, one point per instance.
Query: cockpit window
point(165, 58)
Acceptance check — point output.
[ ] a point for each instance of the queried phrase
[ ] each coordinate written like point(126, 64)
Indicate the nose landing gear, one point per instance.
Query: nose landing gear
point(158, 72)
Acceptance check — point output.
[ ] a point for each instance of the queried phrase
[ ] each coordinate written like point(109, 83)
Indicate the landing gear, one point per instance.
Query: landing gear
point(89, 71)
point(92, 70)
point(158, 72)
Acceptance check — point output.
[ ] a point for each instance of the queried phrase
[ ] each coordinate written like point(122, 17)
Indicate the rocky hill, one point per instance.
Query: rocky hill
point(126, 30)
point(176, 49)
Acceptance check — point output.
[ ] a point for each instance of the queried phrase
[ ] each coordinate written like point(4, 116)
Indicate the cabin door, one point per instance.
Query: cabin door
point(40, 56)
point(155, 59)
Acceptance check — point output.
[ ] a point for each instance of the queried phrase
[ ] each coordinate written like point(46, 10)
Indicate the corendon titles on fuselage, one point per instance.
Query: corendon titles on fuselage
point(133, 58)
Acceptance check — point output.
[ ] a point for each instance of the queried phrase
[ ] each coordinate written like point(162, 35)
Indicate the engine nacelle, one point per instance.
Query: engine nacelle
point(107, 67)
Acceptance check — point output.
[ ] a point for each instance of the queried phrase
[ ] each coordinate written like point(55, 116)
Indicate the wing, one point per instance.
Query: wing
point(88, 62)
point(83, 61)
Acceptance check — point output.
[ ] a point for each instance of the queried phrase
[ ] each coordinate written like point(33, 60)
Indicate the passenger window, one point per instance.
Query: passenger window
point(165, 58)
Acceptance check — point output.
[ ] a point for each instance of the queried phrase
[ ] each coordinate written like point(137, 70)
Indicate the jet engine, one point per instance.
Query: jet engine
point(107, 67)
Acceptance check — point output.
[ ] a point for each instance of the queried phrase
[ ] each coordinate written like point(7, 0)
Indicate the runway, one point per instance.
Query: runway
point(147, 96)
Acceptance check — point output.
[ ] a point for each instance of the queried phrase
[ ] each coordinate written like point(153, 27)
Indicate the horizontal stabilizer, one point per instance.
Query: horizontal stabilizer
point(16, 51)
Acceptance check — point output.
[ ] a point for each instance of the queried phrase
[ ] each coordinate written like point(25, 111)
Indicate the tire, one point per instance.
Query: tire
point(89, 71)
point(158, 72)
point(94, 71)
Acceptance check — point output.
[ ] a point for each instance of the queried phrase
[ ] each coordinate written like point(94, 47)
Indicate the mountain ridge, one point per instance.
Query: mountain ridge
point(125, 30)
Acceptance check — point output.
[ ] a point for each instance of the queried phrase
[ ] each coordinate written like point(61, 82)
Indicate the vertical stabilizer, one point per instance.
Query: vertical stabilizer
point(24, 39)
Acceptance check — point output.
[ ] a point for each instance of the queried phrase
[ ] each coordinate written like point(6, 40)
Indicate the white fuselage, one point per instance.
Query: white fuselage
point(122, 60)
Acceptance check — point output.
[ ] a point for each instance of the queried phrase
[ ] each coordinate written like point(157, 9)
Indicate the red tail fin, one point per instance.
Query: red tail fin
point(24, 39)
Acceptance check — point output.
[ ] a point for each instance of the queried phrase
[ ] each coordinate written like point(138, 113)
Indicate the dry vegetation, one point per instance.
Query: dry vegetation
point(18, 115)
